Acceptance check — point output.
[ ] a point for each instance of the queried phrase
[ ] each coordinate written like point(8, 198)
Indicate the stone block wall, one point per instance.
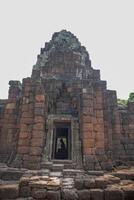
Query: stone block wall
point(127, 133)
point(93, 126)
point(9, 122)
point(32, 124)
point(107, 130)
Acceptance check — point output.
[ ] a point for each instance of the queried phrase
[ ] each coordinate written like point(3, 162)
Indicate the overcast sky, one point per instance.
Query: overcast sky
point(104, 27)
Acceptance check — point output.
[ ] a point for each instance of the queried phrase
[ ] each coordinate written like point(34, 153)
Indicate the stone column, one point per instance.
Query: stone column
point(110, 105)
point(38, 133)
point(98, 124)
point(26, 122)
point(87, 133)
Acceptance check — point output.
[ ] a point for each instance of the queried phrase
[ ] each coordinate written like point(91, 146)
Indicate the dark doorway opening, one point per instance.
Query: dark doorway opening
point(61, 141)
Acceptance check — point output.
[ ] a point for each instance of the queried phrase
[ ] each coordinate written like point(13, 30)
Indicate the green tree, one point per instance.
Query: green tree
point(122, 102)
point(131, 97)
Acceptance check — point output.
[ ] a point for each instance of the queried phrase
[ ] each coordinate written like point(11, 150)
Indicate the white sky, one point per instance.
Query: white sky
point(104, 27)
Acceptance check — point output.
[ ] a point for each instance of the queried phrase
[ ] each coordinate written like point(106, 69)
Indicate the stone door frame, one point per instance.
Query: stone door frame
point(76, 152)
point(68, 137)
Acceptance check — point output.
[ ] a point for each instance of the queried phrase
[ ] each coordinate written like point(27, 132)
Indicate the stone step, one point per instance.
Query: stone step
point(56, 174)
point(57, 167)
point(68, 164)
point(55, 161)
point(73, 172)
point(124, 174)
point(9, 191)
point(95, 173)
point(44, 172)
point(10, 174)
point(68, 183)
point(46, 165)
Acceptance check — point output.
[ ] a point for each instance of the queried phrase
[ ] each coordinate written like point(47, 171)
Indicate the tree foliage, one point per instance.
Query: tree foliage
point(122, 102)
point(131, 97)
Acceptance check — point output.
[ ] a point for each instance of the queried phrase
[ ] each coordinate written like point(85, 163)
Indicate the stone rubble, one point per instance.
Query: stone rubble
point(32, 186)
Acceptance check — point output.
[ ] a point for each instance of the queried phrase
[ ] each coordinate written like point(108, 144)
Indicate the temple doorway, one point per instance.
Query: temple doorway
point(61, 141)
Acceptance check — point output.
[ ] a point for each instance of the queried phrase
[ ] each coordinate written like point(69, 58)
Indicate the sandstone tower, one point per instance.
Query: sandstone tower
point(64, 114)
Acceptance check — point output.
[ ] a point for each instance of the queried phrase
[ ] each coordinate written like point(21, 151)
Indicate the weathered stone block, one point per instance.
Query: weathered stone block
point(128, 192)
point(34, 159)
point(10, 105)
point(107, 165)
point(11, 174)
point(39, 105)
point(39, 184)
point(87, 127)
point(86, 119)
point(88, 143)
point(39, 193)
point(26, 114)
point(35, 151)
point(23, 142)
point(39, 111)
point(87, 103)
point(39, 119)
point(40, 98)
point(38, 134)
point(23, 134)
point(87, 111)
point(23, 149)
point(38, 126)
point(101, 182)
point(37, 142)
point(9, 191)
point(99, 143)
point(24, 191)
point(26, 120)
point(54, 183)
point(89, 183)
point(97, 194)
point(55, 195)
point(69, 194)
point(25, 101)
point(79, 184)
point(26, 157)
point(24, 180)
point(26, 81)
point(114, 194)
point(84, 195)
point(89, 151)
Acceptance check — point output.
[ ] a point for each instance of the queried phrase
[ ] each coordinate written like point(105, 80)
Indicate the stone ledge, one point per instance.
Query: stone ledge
point(9, 191)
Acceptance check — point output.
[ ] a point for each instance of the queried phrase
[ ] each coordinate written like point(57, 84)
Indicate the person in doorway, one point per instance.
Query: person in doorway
point(62, 145)
point(61, 154)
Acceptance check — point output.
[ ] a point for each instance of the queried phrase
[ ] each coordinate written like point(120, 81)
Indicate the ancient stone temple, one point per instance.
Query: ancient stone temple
point(64, 115)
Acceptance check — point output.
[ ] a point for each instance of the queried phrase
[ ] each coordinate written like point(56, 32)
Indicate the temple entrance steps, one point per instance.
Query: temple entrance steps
point(60, 166)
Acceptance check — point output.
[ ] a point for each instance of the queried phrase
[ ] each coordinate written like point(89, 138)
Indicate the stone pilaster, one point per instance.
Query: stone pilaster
point(98, 124)
point(88, 138)
point(26, 122)
point(38, 132)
